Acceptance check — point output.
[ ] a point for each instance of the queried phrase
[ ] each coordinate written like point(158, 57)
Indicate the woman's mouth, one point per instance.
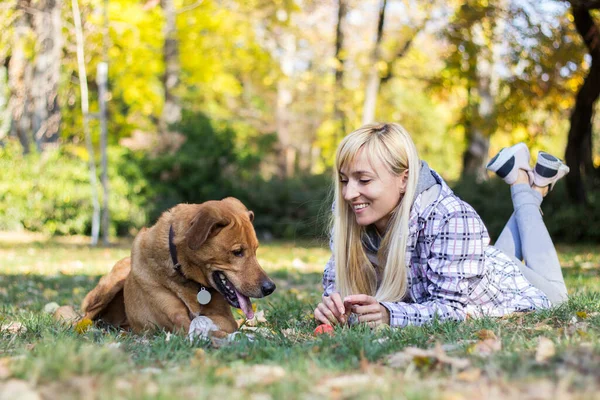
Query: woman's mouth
point(358, 208)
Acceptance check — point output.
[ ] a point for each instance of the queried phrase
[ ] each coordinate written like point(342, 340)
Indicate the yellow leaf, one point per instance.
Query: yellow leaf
point(582, 314)
point(83, 325)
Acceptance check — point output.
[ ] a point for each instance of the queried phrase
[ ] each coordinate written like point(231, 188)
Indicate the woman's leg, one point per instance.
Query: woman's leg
point(542, 267)
point(509, 241)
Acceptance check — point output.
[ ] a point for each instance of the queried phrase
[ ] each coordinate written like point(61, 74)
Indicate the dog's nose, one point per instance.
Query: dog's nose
point(267, 287)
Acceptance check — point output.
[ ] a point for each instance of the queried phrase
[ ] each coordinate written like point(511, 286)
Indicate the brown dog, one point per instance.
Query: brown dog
point(192, 248)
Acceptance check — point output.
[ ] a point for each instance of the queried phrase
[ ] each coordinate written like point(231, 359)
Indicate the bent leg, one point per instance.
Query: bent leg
point(541, 261)
point(509, 241)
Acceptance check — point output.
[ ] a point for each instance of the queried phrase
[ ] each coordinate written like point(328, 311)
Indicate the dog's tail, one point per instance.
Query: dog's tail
point(106, 302)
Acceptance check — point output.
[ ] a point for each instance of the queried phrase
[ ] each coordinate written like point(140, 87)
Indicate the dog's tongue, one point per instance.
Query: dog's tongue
point(245, 305)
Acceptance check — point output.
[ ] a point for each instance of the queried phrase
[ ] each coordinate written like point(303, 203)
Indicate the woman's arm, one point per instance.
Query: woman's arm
point(455, 266)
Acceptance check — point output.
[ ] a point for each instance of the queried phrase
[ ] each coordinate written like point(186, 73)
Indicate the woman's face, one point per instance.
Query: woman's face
point(371, 190)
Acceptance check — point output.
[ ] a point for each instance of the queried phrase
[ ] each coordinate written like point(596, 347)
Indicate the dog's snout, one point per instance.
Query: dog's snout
point(267, 287)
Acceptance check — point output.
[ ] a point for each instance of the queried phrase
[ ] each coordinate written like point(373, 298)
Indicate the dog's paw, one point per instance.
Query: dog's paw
point(201, 327)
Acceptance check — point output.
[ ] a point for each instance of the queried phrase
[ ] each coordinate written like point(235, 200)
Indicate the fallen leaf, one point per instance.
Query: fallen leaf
point(259, 375)
point(83, 325)
point(485, 348)
point(13, 327)
point(545, 350)
point(582, 314)
point(259, 318)
point(18, 389)
point(66, 314)
point(469, 375)
point(424, 358)
point(4, 367)
point(485, 334)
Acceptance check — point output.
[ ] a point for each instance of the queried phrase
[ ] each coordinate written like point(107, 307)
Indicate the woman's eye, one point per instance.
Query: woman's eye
point(365, 181)
point(238, 253)
point(343, 181)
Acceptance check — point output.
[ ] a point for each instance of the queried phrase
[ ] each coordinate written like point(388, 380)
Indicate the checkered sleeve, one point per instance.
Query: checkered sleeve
point(455, 265)
point(329, 277)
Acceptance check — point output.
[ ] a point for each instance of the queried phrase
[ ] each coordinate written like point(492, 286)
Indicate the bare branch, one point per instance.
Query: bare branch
point(189, 8)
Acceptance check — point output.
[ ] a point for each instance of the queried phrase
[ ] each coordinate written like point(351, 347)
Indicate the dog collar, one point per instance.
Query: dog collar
point(203, 295)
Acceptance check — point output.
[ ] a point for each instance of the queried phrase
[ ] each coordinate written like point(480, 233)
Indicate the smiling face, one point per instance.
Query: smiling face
point(371, 190)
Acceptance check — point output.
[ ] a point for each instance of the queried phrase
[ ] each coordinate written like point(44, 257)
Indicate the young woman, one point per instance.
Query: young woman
point(407, 250)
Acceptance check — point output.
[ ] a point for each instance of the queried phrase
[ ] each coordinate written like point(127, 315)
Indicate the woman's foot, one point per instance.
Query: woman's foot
point(509, 161)
point(548, 170)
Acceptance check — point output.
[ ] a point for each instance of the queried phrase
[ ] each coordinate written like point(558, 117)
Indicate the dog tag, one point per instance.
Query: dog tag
point(203, 296)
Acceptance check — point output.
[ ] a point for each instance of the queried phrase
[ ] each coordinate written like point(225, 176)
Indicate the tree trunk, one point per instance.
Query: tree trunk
point(172, 109)
point(46, 115)
point(481, 127)
point(86, 128)
point(578, 154)
point(20, 75)
point(287, 151)
point(373, 81)
point(338, 114)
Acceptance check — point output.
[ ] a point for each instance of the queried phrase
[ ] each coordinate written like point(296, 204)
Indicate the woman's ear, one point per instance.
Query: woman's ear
point(403, 181)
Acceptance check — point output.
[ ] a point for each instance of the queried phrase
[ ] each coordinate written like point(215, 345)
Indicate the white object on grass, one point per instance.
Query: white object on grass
point(201, 327)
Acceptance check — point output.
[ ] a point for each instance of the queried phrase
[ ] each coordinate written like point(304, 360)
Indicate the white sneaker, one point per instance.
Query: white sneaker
point(548, 170)
point(509, 160)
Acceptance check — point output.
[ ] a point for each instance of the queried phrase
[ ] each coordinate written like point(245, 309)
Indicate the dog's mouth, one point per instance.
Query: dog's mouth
point(232, 295)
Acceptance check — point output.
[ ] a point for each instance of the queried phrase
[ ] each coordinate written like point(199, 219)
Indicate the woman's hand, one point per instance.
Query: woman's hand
point(367, 309)
point(331, 310)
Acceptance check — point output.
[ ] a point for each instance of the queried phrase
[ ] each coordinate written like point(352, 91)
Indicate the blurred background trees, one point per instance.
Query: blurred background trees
point(212, 98)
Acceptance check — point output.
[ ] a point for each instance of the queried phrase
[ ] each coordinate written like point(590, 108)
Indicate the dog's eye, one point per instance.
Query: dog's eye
point(238, 252)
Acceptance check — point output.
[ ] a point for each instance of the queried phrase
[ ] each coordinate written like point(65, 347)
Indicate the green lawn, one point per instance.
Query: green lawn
point(553, 353)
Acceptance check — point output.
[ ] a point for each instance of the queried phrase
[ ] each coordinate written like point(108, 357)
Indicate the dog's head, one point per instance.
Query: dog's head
point(221, 249)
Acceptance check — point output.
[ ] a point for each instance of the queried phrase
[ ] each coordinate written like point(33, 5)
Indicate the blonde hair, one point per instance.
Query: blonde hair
point(391, 144)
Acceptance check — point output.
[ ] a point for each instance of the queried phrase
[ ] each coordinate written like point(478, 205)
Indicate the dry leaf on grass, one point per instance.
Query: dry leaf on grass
point(349, 384)
point(259, 375)
point(13, 327)
point(487, 347)
point(259, 318)
point(485, 334)
point(4, 367)
point(18, 389)
point(66, 314)
point(545, 350)
point(423, 358)
point(469, 375)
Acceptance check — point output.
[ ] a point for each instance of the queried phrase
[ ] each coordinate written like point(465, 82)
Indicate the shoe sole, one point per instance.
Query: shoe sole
point(504, 162)
point(550, 169)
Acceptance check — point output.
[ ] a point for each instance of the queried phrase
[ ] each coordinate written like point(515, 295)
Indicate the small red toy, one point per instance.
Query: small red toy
point(323, 328)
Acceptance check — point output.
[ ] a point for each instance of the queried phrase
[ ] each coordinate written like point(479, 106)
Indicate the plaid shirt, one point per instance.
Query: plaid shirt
point(452, 270)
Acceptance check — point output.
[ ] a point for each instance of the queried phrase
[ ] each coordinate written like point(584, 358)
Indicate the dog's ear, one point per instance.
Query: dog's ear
point(208, 222)
point(251, 215)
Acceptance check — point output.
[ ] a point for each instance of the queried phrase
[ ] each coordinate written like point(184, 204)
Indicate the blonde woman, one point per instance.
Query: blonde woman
point(407, 250)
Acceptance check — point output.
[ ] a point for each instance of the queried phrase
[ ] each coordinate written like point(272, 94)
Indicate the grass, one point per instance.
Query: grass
point(505, 357)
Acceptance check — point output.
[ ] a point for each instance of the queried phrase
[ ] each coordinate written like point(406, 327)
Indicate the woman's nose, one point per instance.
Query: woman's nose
point(350, 191)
